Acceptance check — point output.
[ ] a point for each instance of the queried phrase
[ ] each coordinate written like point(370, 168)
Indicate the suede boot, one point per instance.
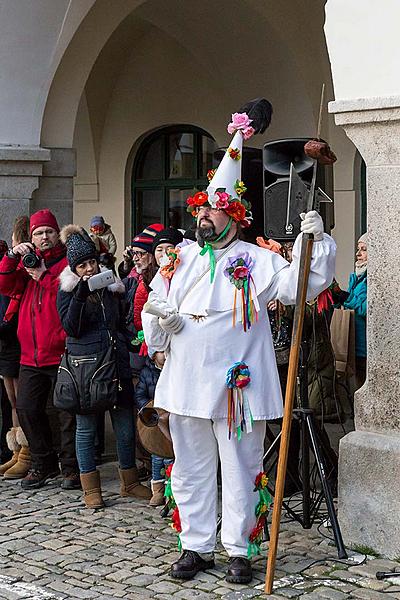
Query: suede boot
point(92, 490)
point(20, 469)
point(157, 499)
point(131, 486)
point(14, 447)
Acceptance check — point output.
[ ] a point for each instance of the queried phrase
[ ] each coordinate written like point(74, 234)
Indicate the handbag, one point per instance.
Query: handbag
point(88, 384)
point(343, 340)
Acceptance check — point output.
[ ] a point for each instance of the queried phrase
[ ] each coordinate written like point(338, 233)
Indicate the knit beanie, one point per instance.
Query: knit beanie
point(145, 239)
point(97, 221)
point(79, 245)
point(364, 239)
point(167, 236)
point(43, 218)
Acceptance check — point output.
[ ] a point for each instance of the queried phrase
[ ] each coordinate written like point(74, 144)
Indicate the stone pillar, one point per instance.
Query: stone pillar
point(20, 169)
point(32, 178)
point(56, 189)
point(369, 457)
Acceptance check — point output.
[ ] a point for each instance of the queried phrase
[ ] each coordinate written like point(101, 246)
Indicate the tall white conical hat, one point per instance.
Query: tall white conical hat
point(229, 170)
point(225, 189)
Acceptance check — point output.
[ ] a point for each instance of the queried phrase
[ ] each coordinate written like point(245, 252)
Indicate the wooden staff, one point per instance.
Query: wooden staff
point(298, 319)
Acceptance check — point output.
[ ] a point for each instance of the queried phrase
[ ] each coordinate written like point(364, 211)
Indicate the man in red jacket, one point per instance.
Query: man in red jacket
point(32, 269)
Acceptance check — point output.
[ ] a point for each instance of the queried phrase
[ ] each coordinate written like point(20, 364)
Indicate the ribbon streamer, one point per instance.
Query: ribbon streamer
point(240, 418)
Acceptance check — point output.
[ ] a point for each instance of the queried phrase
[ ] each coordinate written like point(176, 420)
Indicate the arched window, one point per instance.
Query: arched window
point(170, 165)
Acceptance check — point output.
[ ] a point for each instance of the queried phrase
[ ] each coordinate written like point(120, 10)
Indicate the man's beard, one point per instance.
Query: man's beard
point(205, 234)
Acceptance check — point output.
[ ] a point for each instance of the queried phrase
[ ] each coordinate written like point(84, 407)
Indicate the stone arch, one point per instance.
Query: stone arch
point(257, 51)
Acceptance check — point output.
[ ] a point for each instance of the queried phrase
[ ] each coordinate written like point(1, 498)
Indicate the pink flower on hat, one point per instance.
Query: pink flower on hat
point(223, 200)
point(240, 122)
point(248, 132)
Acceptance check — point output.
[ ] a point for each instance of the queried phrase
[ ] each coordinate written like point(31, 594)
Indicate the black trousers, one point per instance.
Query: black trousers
point(35, 385)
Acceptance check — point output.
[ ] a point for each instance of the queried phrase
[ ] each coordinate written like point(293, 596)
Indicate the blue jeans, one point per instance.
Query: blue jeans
point(124, 430)
point(158, 464)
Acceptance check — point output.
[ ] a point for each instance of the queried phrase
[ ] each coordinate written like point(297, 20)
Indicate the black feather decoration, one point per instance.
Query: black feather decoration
point(260, 111)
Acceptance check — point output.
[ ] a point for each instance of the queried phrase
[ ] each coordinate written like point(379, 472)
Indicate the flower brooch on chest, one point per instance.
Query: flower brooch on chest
point(238, 270)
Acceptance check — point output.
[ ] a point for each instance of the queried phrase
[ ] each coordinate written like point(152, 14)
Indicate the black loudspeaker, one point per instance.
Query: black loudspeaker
point(252, 175)
point(278, 155)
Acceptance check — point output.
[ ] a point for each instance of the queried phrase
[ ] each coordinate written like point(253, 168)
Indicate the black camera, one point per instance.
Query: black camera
point(31, 260)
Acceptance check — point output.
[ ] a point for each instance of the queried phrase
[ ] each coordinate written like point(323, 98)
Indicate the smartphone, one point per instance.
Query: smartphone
point(101, 280)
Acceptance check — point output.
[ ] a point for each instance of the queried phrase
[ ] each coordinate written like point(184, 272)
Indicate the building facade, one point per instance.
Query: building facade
point(116, 108)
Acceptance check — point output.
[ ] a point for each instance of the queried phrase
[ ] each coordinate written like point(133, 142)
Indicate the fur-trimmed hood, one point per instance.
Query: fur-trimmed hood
point(69, 280)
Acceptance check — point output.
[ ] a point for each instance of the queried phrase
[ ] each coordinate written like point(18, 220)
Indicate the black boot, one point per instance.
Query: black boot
point(37, 478)
point(239, 570)
point(71, 481)
point(189, 564)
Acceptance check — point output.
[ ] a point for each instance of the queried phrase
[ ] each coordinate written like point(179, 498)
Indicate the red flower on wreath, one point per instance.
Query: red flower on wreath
point(168, 470)
point(176, 520)
point(198, 199)
point(236, 210)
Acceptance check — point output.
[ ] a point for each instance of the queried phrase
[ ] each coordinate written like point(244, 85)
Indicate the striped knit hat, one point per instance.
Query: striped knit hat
point(145, 239)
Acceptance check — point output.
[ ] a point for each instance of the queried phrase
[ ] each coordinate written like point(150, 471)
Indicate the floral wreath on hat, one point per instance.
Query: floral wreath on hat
point(236, 207)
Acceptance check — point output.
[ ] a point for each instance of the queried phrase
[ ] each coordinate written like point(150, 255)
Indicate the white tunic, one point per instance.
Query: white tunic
point(193, 380)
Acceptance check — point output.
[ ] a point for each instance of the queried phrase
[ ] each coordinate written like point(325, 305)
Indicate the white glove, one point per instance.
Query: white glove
point(312, 223)
point(171, 324)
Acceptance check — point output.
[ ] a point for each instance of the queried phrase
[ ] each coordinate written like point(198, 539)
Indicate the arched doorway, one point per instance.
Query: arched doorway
point(170, 164)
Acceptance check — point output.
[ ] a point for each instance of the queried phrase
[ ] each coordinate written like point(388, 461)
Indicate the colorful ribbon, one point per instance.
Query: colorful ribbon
point(238, 270)
point(261, 511)
point(175, 519)
point(239, 413)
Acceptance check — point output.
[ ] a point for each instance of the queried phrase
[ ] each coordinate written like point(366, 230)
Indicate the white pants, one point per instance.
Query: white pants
point(197, 445)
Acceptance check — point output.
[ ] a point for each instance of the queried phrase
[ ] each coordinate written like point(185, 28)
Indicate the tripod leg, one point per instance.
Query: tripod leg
point(305, 472)
point(326, 489)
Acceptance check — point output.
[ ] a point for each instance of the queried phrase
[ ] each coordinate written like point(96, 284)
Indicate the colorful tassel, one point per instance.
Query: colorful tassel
point(238, 270)
point(240, 418)
point(175, 519)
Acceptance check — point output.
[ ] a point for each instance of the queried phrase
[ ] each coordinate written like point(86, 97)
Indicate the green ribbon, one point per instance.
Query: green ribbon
point(209, 248)
point(139, 339)
point(253, 549)
point(168, 489)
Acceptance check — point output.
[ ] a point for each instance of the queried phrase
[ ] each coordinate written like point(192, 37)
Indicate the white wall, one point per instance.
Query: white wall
point(33, 37)
point(364, 50)
point(171, 74)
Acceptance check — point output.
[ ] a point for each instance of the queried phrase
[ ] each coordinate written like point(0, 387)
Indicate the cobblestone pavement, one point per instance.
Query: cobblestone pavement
point(51, 548)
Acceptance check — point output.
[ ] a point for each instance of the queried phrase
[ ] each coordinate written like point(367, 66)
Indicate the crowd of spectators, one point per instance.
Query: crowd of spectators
point(48, 309)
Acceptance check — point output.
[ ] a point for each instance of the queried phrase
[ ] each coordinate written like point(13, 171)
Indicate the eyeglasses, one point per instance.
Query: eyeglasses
point(138, 253)
point(47, 232)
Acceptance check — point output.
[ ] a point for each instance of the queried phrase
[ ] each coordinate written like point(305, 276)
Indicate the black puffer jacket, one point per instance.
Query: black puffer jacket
point(89, 317)
point(147, 383)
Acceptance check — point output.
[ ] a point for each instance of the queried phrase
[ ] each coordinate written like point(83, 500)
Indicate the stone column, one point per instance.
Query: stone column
point(56, 186)
point(32, 178)
point(369, 457)
point(20, 169)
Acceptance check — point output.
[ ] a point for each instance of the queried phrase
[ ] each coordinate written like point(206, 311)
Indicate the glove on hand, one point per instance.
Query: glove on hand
point(312, 223)
point(171, 324)
point(82, 291)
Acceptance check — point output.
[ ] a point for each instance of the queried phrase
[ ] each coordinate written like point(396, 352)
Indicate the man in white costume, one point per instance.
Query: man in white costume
point(215, 319)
